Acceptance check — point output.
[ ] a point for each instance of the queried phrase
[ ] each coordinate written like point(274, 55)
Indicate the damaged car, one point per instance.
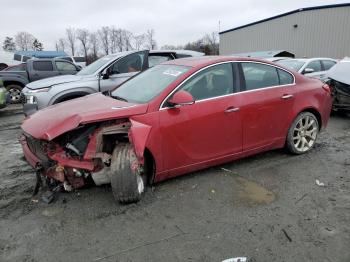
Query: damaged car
point(339, 80)
point(175, 118)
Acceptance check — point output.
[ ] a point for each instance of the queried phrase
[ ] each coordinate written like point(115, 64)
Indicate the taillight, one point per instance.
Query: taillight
point(327, 88)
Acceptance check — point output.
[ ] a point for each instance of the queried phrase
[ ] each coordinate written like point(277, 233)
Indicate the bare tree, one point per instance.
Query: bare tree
point(61, 45)
point(149, 39)
point(83, 37)
point(138, 41)
point(24, 41)
point(127, 38)
point(212, 40)
point(71, 39)
point(116, 40)
point(172, 47)
point(93, 39)
point(103, 34)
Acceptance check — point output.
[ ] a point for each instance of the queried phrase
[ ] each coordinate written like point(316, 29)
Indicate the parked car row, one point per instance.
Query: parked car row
point(177, 117)
point(33, 70)
point(100, 76)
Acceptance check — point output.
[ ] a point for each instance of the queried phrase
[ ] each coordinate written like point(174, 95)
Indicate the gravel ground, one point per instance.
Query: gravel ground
point(267, 207)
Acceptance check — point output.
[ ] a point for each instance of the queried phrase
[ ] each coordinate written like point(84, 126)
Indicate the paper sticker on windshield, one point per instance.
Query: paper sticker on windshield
point(172, 72)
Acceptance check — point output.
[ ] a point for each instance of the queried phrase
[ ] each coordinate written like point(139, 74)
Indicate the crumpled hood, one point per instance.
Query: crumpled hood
point(56, 80)
point(55, 120)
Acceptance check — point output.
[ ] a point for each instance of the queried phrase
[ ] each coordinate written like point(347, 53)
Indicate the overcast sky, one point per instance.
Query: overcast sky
point(174, 22)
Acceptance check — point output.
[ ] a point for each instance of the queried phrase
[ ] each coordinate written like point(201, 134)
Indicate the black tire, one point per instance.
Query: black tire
point(3, 66)
point(15, 93)
point(126, 180)
point(302, 133)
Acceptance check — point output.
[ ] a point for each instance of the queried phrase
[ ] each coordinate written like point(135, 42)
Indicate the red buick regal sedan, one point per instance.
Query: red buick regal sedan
point(175, 118)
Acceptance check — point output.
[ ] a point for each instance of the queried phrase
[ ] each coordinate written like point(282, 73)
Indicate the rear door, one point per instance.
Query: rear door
point(267, 100)
point(41, 69)
point(65, 68)
point(123, 69)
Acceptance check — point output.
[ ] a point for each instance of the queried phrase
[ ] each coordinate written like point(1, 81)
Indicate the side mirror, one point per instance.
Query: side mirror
point(105, 74)
point(181, 98)
point(78, 67)
point(308, 71)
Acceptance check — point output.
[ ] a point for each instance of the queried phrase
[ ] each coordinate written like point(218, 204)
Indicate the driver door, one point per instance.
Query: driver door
point(123, 69)
point(204, 133)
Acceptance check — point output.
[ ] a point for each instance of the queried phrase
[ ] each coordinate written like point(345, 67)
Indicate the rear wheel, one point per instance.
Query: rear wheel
point(127, 180)
point(15, 92)
point(303, 133)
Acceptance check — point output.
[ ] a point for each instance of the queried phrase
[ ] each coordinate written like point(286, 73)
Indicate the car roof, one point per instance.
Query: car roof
point(207, 60)
point(182, 52)
point(311, 59)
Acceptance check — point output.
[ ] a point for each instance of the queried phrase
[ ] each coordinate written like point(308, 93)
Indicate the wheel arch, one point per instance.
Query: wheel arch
point(68, 96)
point(315, 112)
point(150, 165)
point(13, 82)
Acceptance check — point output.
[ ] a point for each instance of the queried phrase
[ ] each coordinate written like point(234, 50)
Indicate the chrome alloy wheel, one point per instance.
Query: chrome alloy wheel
point(305, 133)
point(140, 184)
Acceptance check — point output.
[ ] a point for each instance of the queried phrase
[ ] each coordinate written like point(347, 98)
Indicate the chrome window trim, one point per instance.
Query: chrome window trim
point(240, 92)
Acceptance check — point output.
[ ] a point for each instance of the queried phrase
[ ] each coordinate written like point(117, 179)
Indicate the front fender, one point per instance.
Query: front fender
point(138, 135)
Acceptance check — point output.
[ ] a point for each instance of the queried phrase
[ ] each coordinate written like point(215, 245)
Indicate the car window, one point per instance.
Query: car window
point(182, 55)
point(211, 82)
point(259, 75)
point(42, 66)
point(21, 67)
point(292, 64)
point(144, 87)
point(315, 65)
point(128, 64)
point(79, 59)
point(64, 66)
point(17, 57)
point(67, 58)
point(285, 77)
point(328, 64)
point(157, 59)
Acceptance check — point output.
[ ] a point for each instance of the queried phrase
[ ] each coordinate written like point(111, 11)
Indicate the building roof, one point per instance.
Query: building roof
point(285, 14)
point(266, 54)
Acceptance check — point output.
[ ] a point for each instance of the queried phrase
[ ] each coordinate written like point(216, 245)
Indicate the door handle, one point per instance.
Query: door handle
point(286, 96)
point(232, 109)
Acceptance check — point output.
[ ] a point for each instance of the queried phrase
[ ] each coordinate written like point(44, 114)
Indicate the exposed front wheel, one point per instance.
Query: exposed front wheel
point(15, 93)
point(127, 179)
point(303, 133)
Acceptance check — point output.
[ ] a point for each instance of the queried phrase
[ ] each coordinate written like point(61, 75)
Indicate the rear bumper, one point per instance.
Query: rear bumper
point(32, 159)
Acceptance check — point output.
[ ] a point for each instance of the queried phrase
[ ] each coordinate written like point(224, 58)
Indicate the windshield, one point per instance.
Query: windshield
point(92, 68)
point(147, 85)
point(291, 64)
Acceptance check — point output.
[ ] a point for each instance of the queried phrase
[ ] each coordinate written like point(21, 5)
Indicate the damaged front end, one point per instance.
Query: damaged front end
point(341, 95)
point(78, 157)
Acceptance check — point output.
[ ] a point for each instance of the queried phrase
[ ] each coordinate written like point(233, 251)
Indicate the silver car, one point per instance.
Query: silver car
point(103, 75)
point(311, 67)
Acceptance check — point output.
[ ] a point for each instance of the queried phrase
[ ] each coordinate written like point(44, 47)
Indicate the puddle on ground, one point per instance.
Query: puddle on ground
point(251, 193)
point(51, 211)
